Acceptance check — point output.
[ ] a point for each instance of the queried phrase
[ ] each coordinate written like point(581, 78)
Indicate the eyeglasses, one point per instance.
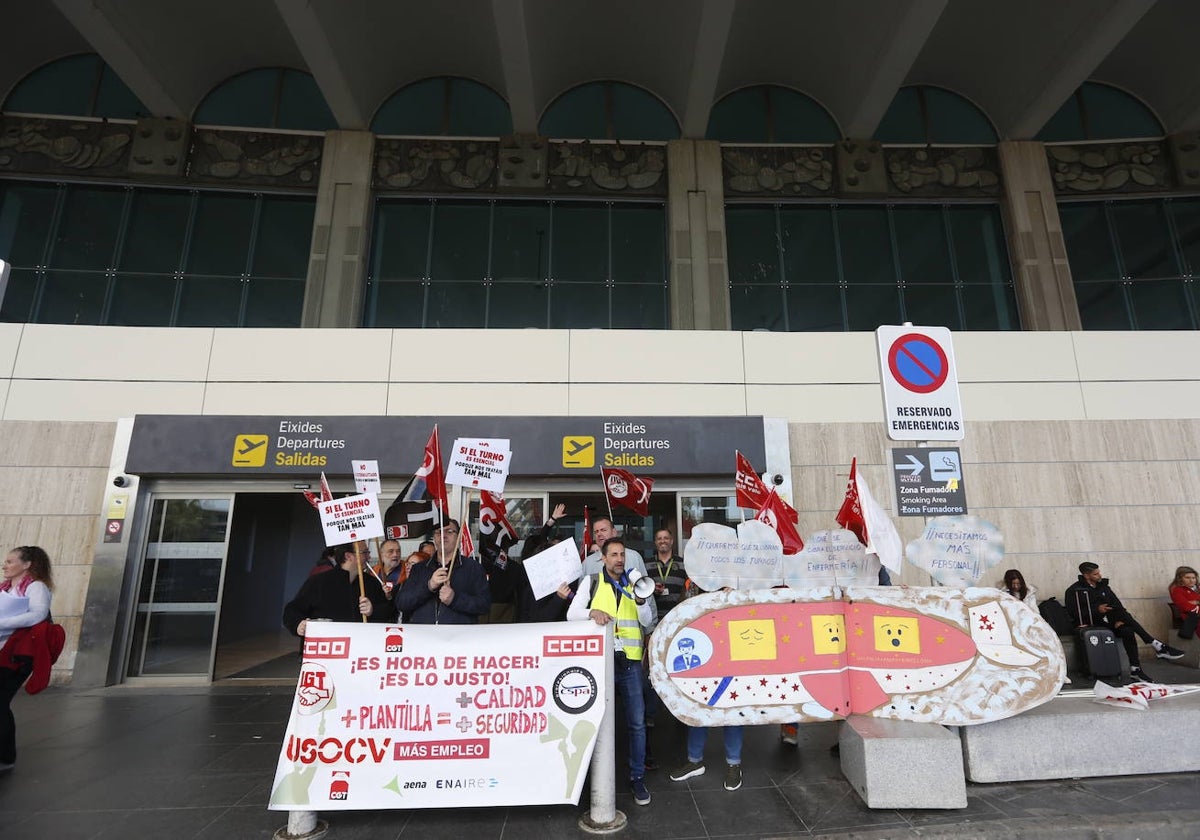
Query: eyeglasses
point(449, 532)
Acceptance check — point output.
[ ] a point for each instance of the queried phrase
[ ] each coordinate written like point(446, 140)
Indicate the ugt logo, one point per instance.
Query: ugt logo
point(393, 640)
point(339, 788)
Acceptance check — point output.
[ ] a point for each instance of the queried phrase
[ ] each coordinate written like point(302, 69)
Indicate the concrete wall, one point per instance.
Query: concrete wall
point(1078, 445)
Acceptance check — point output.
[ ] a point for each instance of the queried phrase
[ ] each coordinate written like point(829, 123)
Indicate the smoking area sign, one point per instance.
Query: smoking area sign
point(920, 383)
point(929, 482)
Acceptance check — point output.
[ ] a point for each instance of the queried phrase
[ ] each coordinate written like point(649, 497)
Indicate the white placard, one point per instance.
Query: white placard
point(550, 569)
point(831, 558)
point(479, 463)
point(717, 556)
point(366, 477)
point(350, 518)
point(452, 716)
point(957, 550)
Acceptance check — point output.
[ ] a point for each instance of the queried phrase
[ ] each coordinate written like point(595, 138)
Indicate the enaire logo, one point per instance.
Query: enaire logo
point(339, 788)
point(336, 647)
point(393, 640)
point(572, 646)
point(575, 690)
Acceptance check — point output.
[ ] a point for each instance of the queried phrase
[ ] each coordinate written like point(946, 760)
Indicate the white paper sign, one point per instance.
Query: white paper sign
point(453, 716)
point(957, 550)
point(550, 569)
point(479, 463)
point(831, 558)
point(751, 557)
point(366, 477)
point(349, 519)
point(11, 605)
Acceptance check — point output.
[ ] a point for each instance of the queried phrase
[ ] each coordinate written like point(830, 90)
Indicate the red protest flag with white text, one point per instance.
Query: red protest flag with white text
point(777, 513)
point(326, 493)
point(850, 515)
point(627, 490)
point(434, 474)
point(751, 492)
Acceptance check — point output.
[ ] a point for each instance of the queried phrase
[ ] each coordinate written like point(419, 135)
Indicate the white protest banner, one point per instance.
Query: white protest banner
point(547, 570)
point(411, 716)
point(751, 557)
point(831, 558)
point(350, 518)
point(480, 463)
point(957, 550)
point(366, 477)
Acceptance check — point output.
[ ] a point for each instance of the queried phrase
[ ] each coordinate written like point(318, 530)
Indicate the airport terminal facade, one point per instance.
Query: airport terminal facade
point(670, 228)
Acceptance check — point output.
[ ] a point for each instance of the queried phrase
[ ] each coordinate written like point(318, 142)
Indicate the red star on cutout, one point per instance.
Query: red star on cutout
point(733, 695)
point(763, 682)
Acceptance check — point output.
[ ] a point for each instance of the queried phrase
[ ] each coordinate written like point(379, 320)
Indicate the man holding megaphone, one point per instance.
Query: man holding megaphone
point(625, 599)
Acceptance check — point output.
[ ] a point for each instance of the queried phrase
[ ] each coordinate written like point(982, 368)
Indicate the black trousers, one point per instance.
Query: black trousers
point(1188, 628)
point(10, 682)
point(1128, 633)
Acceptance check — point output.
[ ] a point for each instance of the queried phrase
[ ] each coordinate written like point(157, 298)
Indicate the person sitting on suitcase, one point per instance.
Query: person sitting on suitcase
point(1091, 601)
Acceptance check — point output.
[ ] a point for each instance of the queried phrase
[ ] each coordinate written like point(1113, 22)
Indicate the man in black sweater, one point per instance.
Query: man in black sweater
point(334, 595)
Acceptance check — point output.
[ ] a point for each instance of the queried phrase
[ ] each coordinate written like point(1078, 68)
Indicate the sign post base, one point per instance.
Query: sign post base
point(302, 825)
point(617, 823)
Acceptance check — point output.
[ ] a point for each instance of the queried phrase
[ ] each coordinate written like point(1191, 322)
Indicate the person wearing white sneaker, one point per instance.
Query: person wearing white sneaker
point(694, 766)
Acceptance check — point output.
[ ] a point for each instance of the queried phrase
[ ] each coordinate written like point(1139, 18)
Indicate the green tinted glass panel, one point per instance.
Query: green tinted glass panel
point(460, 242)
point(210, 302)
point(814, 308)
point(869, 306)
point(639, 306)
point(757, 307)
point(274, 302)
point(142, 300)
point(401, 242)
point(953, 119)
point(579, 250)
point(72, 297)
point(921, 241)
point(1142, 232)
point(639, 115)
point(1160, 305)
point(1089, 247)
point(61, 87)
point(1066, 124)
point(979, 249)
point(18, 298)
point(516, 304)
point(221, 234)
point(246, 100)
point(456, 305)
point(416, 109)
point(1186, 215)
point(809, 255)
point(866, 246)
point(397, 304)
point(1102, 306)
point(578, 113)
point(26, 212)
point(284, 237)
point(902, 123)
point(578, 306)
point(477, 111)
point(639, 244)
point(753, 245)
point(990, 307)
point(1112, 114)
point(935, 306)
point(521, 242)
point(741, 117)
point(158, 222)
point(115, 101)
point(87, 231)
point(302, 105)
point(799, 119)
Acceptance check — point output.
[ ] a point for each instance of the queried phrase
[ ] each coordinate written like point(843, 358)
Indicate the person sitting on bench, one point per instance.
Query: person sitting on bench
point(1185, 595)
point(1091, 602)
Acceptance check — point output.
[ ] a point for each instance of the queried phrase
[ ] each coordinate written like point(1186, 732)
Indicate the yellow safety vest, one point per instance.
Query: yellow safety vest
point(628, 633)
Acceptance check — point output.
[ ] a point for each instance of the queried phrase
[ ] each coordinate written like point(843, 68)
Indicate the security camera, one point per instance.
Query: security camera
point(777, 479)
point(120, 481)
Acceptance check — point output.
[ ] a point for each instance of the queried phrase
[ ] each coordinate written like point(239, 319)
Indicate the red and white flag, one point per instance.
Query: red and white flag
point(864, 516)
point(775, 512)
point(587, 534)
point(434, 475)
point(466, 546)
point(849, 516)
point(625, 489)
point(326, 493)
point(751, 492)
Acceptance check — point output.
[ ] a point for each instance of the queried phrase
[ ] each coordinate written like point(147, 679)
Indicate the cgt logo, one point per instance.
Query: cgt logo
point(393, 640)
point(572, 646)
point(339, 788)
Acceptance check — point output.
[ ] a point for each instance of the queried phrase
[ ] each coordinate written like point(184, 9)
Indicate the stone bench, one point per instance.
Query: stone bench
point(899, 764)
point(1072, 737)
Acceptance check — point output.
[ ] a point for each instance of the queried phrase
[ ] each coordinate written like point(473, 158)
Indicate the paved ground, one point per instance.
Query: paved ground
point(181, 763)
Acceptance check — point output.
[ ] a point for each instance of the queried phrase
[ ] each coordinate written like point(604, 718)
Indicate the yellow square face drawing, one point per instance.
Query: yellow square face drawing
point(752, 639)
point(897, 634)
point(829, 633)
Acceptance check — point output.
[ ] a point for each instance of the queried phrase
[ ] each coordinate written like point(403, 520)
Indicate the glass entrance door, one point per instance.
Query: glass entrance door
point(179, 593)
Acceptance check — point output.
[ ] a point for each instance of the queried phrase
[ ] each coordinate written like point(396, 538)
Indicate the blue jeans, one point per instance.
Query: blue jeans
point(733, 744)
point(627, 674)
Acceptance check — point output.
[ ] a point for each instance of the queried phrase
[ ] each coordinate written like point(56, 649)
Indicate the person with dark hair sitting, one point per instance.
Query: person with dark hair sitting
point(1015, 585)
point(1185, 595)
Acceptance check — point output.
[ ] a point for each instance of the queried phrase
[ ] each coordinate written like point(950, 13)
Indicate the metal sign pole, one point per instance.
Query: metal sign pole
point(603, 817)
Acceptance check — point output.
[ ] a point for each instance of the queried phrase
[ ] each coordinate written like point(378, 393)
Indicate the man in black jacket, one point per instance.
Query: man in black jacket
point(453, 592)
point(1091, 602)
point(334, 595)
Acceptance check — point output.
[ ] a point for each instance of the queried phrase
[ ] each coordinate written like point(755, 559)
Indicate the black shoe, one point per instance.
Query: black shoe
point(1138, 675)
point(1168, 652)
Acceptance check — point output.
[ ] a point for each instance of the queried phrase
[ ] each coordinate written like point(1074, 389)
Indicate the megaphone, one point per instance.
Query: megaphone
point(643, 587)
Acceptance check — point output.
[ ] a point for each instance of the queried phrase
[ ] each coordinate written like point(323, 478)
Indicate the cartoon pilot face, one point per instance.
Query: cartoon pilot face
point(829, 633)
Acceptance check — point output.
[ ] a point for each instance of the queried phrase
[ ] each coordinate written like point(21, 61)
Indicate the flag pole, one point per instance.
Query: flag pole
point(362, 587)
point(607, 502)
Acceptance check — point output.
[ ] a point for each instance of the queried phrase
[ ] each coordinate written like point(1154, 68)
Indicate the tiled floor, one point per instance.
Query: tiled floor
point(179, 763)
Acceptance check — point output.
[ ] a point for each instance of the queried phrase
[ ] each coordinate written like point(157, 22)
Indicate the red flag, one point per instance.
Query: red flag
point(465, 546)
point(626, 489)
point(850, 515)
point(434, 475)
point(751, 492)
point(587, 534)
point(774, 512)
point(326, 493)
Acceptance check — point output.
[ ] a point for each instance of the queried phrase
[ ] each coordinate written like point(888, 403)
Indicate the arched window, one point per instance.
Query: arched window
point(924, 115)
point(444, 105)
point(269, 97)
point(770, 114)
point(608, 111)
point(1098, 111)
point(75, 86)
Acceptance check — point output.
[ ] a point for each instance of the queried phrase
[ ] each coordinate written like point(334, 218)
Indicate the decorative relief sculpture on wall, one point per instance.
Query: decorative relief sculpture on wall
point(418, 164)
point(64, 146)
point(251, 157)
point(584, 167)
point(1110, 167)
point(778, 170)
point(968, 170)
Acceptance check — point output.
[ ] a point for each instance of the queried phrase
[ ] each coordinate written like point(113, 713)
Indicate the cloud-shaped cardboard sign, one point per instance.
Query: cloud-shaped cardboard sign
point(717, 556)
point(831, 558)
point(957, 550)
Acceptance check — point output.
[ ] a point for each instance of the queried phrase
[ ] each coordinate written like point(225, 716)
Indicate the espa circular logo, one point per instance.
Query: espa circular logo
point(575, 690)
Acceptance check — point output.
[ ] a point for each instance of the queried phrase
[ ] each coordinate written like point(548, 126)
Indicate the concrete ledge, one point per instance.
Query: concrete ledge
point(1072, 737)
point(899, 764)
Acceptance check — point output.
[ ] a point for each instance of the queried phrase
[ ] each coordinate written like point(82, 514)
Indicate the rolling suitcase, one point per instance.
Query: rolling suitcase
point(1101, 654)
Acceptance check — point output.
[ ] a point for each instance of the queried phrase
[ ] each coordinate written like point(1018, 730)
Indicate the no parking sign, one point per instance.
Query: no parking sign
point(920, 383)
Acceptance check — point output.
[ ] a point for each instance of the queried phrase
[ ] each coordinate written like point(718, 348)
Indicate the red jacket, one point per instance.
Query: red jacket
point(42, 643)
point(1185, 599)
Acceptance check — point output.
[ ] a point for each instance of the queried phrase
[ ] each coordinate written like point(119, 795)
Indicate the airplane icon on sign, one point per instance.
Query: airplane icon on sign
point(250, 450)
point(578, 451)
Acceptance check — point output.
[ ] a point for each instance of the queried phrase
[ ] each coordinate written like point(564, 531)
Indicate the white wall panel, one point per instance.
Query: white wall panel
point(137, 354)
point(810, 358)
point(255, 355)
point(480, 356)
point(485, 398)
point(35, 399)
point(695, 356)
point(658, 400)
point(342, 398)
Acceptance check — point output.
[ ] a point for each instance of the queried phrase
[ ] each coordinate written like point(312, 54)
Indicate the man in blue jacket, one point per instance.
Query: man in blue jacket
point(447, 588)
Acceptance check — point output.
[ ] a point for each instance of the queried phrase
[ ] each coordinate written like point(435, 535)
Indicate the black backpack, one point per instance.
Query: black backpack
point(1057, 617)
